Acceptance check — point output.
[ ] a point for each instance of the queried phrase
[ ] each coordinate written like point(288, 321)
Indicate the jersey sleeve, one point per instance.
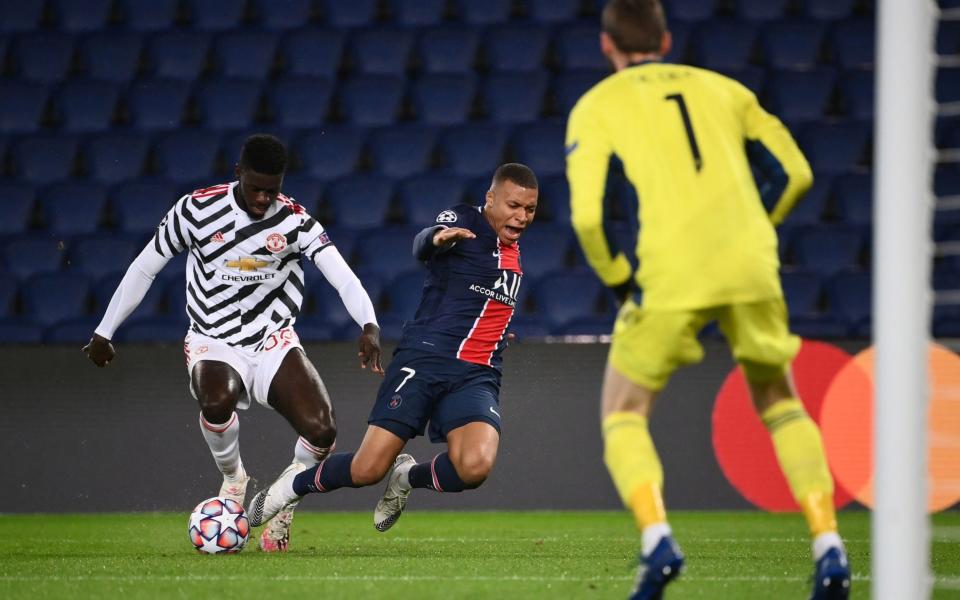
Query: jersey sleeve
point(313, 237)
point(785, 173)
point(588, 153)
point(173, 235)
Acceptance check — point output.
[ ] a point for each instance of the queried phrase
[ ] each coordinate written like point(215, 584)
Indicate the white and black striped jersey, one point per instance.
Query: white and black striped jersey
point(244, 279)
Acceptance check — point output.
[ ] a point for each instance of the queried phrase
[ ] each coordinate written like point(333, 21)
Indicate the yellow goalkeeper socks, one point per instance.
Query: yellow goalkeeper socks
point(634, 466)
point(799, 450)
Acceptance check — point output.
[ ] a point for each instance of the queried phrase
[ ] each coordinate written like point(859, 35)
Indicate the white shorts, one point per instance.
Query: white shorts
point(256, 369)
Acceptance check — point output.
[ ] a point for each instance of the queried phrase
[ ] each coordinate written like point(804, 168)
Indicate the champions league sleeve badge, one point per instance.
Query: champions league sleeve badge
point(447, 216)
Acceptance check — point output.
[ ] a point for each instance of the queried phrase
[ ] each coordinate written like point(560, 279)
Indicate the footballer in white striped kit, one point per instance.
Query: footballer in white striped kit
point(244, 291)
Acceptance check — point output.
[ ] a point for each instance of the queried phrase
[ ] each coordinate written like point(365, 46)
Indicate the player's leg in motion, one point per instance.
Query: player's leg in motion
point(799, 450)
point(218, 388)
point(634, 466)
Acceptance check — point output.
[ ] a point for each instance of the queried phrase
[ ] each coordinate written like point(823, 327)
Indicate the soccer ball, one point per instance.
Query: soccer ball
point(218, 525)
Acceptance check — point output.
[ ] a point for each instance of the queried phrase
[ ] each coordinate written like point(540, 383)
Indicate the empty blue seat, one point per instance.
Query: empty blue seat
point(828, 10)
point(483, 13)
point(82, 16)
point(540, 147)
point(819, 327)
point(228, 103)
point(371, 100)
point(564, 296)
point(391, 254)
point(188, 155)
point(20, 16)
point(215, 15)
point(313, 52)
point(724, 44)
point(113, 56)
point(578, 47)
point(305, 190)
point(948, 38)
point(553, 11)
point(179, 54)
point(800, 96)
point(528, 327)
point(418, 13)
point(87, 106)
point(404, 292)
point(174, 294)
point(245, 54)
point(18, 202)
point(402, 150)
point(43, 57)
point(8, 295)
point(515, 47)
point(114, 157)
point(802, 291)
point(51, 297)
point(22, 106)
point(690, 10)
point(835, 148)
point(20, 331)
point(158, 329)
point(359, 202)
point(138, 206)
point(792, 43)
point(355, 13)
point(849, 296)
point(854, 198)
point(424, 197)
point(514, 97)
point(381, 51)
point(151, 305)
point(45, 159)
point(331, 153)
point(680, 33)
point(74, 331)
point(473, 150)
point(853, 44)
point(29, 255)
point(857, 96)
point(448, 49)
point(314, 328)
point(811, 208)
point(148, 15)
point(373, 282)
point(97, 257)
point(300, 102)
point(443, 99)
point(290, 14)
point(750, 76)
point(157, 104)
point(324, 302)
point(569, 86)
point(828, 250)
point(761, 10)
point(73, 207)
point(553, 201)
point(948, 85)
point(586, 326)
point(544, 249)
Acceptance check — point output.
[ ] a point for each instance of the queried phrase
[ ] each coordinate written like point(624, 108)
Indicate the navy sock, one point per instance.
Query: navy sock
point(331, 474)
point(437, 475)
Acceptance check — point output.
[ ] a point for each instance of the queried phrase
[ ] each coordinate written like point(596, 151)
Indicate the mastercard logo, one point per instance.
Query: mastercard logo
point(837, 391)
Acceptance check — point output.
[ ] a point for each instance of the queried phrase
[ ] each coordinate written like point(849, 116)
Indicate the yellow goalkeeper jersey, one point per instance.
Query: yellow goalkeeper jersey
point(687, 138)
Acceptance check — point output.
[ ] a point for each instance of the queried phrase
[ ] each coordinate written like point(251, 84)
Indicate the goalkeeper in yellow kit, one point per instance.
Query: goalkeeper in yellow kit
point(707, 251)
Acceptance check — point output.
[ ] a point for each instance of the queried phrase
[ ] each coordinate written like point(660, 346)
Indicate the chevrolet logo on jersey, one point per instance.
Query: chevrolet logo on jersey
point(246, 265)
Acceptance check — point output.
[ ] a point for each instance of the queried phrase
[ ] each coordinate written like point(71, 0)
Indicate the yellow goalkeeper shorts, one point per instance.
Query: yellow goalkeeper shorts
point(648, 346)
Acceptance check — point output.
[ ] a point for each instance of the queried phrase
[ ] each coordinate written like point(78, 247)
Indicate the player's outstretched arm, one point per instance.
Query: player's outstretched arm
point(451, 235)
point(370, 348)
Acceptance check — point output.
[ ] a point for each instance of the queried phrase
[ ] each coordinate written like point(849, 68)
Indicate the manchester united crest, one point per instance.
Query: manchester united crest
point(276, 242)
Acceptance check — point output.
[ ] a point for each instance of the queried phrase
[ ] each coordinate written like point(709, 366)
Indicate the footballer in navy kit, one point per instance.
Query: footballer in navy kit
point(445, 375)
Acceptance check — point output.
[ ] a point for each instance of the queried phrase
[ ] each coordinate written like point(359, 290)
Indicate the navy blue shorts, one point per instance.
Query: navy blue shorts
point(421, 387)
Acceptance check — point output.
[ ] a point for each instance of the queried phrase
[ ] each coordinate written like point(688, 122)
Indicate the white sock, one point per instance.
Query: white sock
point(652, 534)
point(224, 443)
point(824, 542)
point(308, 454)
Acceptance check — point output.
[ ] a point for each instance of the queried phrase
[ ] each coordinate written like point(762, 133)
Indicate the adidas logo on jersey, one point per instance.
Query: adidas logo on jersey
point(217, 237)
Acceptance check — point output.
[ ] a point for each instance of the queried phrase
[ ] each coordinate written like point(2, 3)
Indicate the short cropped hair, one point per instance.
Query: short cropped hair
point(521, 175)
point(634, 25)
point(264, 153)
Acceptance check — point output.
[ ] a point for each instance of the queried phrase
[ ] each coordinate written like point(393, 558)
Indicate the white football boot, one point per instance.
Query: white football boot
point(275, 537)
point(269, 502)
point(235, 487)
point(394, 498)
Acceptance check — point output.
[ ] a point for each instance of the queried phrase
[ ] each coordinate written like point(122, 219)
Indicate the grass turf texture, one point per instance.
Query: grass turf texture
point(433, 555)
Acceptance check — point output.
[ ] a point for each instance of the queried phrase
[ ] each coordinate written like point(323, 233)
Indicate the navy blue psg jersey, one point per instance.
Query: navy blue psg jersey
point(469, 294)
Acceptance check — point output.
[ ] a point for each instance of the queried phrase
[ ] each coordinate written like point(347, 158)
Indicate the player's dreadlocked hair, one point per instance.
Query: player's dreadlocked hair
point(521, 175)
point(634, 25)
point(263, 153)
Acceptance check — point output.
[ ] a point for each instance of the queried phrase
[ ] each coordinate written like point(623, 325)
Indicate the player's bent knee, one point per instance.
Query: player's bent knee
point(217, 406)
point(368, 472)
point(320, 432)
point(474, 468)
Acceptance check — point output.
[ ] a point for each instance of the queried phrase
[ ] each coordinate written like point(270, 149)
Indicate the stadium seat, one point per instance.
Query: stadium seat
point(215, 15)
point(359, 202)
point(545, 249)
point(680, 32)
point(417, 13)
point(151, 305)
point(314, 329)
point(835, 148)
point(245, 54)
point(148, 15)
point(515, 48)
point(853, 43)
point(750, 76)
point(802, 291)
point(473, 150)
point(540, 147)
point(331, 153)
point(163, 329)
point(381, 51)
point(323, 300)
point(402, 150)
point(313, 52)
point(43, 56)
point(849, 297)
point(100, 256)
point(45, 159)
point(231, 143)
point(293, 14)
point(82, 16)
point(22, 107)
point(188, 155)
point(18, 202)
point(761, 10)
point(578, 47)
point(179, 54)
point(139, 206)
point(800, 96)
point(528, 327)
point(157, 104)
point(356, 13)
point(856, 93)
point(812, 207)
point(73, 207)
point(792, 43)
point(113, 56)
point(305, 190)
point(564, 296)
point(371, 100)
point(690, 10)
point(447, 49)
point(8, 295)
point(424, 197)
point(404, 292)
point(28, 255)
point(553, 11)
point(174, 294)
point(854, 199)
point(489, 12)
point(228, 103)
point(443, 99)
point(87, 106)
point(373, 282)
point(948, 85)
point(586, 326)
point(74, 331)
point(819, 327)
point(391, 254)
point(553, 202)
point(829, 250)
point(948, 38)
point(514, 97)
point(19, 331)
point(569, 86)
point(52, 297)
point(20, 16)
point(828, 10)
point(724, 44)
point(300, 102)
point(115, 157)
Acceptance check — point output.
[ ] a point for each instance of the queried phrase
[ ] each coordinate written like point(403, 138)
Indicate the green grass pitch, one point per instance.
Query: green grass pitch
point(433, 555)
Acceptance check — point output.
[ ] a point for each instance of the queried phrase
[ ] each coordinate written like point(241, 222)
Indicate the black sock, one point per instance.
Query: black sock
point(331, 474)
point(438, 475)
